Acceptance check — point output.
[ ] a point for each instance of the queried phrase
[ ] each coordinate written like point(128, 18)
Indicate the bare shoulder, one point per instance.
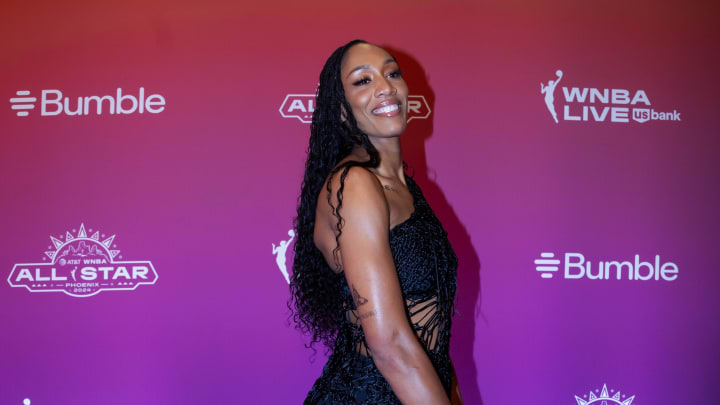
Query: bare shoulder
point(364, 209)
point(359, 182)
point(362, 196)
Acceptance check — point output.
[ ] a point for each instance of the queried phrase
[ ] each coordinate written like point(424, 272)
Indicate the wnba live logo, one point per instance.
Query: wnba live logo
point(600, 105)
point(301, 106)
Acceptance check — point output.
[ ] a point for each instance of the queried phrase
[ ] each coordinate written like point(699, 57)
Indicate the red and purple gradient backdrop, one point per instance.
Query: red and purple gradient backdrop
point(204, 188)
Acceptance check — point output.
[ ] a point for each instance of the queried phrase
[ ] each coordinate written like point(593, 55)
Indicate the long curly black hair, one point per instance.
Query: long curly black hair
point(315, 289)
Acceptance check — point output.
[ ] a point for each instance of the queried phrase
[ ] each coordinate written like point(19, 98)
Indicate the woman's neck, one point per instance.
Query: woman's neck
point(391, 163)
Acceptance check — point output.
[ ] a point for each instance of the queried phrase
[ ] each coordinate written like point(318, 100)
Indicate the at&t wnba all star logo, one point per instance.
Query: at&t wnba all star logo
point(302, 106)
point(604, 398)
point(81, 266)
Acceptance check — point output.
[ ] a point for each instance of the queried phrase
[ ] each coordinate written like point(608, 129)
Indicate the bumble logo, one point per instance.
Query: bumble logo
point(22, 103)
point(54, 102)
point(301, 106)
point(547, 265)
point(575, 266)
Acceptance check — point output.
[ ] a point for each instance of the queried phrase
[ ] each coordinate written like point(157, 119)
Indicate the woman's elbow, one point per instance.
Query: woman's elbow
point(392, 348)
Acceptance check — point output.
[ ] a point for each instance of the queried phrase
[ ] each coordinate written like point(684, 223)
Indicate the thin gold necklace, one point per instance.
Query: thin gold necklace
point(387, 187)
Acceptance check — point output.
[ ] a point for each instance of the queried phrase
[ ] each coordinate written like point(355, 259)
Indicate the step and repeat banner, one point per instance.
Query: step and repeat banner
point(151, 155)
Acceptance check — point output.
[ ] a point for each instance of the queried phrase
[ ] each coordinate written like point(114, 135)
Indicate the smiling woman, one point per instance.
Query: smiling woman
point(375, 90)
point(374, 275)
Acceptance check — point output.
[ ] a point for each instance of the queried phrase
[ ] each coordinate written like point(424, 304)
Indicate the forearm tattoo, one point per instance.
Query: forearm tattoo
point(360, 300)
point(366, 315)
point(357, 298)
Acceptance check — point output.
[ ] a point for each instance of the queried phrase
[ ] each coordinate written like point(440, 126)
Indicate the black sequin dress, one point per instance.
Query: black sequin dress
point(427, 269)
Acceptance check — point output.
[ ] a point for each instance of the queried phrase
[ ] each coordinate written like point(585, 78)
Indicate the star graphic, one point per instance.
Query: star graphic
point(604, 398)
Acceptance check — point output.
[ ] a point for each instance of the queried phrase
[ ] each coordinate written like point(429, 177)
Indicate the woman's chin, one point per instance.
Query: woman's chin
point(389, 128)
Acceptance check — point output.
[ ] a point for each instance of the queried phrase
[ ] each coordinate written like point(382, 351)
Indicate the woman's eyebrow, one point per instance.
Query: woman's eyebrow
point(391, 60)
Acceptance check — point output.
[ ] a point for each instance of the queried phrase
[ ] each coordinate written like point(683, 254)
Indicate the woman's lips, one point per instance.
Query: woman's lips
point(387, 110)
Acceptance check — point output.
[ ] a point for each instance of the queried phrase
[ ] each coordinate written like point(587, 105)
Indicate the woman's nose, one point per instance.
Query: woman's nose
point(385, 88)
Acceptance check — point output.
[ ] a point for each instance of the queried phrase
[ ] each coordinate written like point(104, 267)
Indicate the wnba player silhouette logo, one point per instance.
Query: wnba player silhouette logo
point(548, 91)
point(280, 251)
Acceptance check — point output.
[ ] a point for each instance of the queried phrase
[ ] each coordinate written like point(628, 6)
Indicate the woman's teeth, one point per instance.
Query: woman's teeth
point(386, 109)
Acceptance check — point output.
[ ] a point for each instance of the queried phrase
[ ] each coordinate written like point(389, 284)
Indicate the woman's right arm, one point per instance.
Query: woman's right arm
point(372, 277)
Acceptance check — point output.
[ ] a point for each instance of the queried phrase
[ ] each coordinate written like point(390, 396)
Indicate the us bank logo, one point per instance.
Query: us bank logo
point(574, 266)
point(601, 105)
point(54, 102)
point(81, 265)
point(301, 106)
point(604, 397)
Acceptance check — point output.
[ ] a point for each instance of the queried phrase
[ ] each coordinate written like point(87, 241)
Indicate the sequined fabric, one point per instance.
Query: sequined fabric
point(427, 270)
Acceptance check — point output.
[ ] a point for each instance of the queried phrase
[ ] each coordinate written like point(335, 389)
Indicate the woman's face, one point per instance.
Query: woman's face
point(375, 90)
